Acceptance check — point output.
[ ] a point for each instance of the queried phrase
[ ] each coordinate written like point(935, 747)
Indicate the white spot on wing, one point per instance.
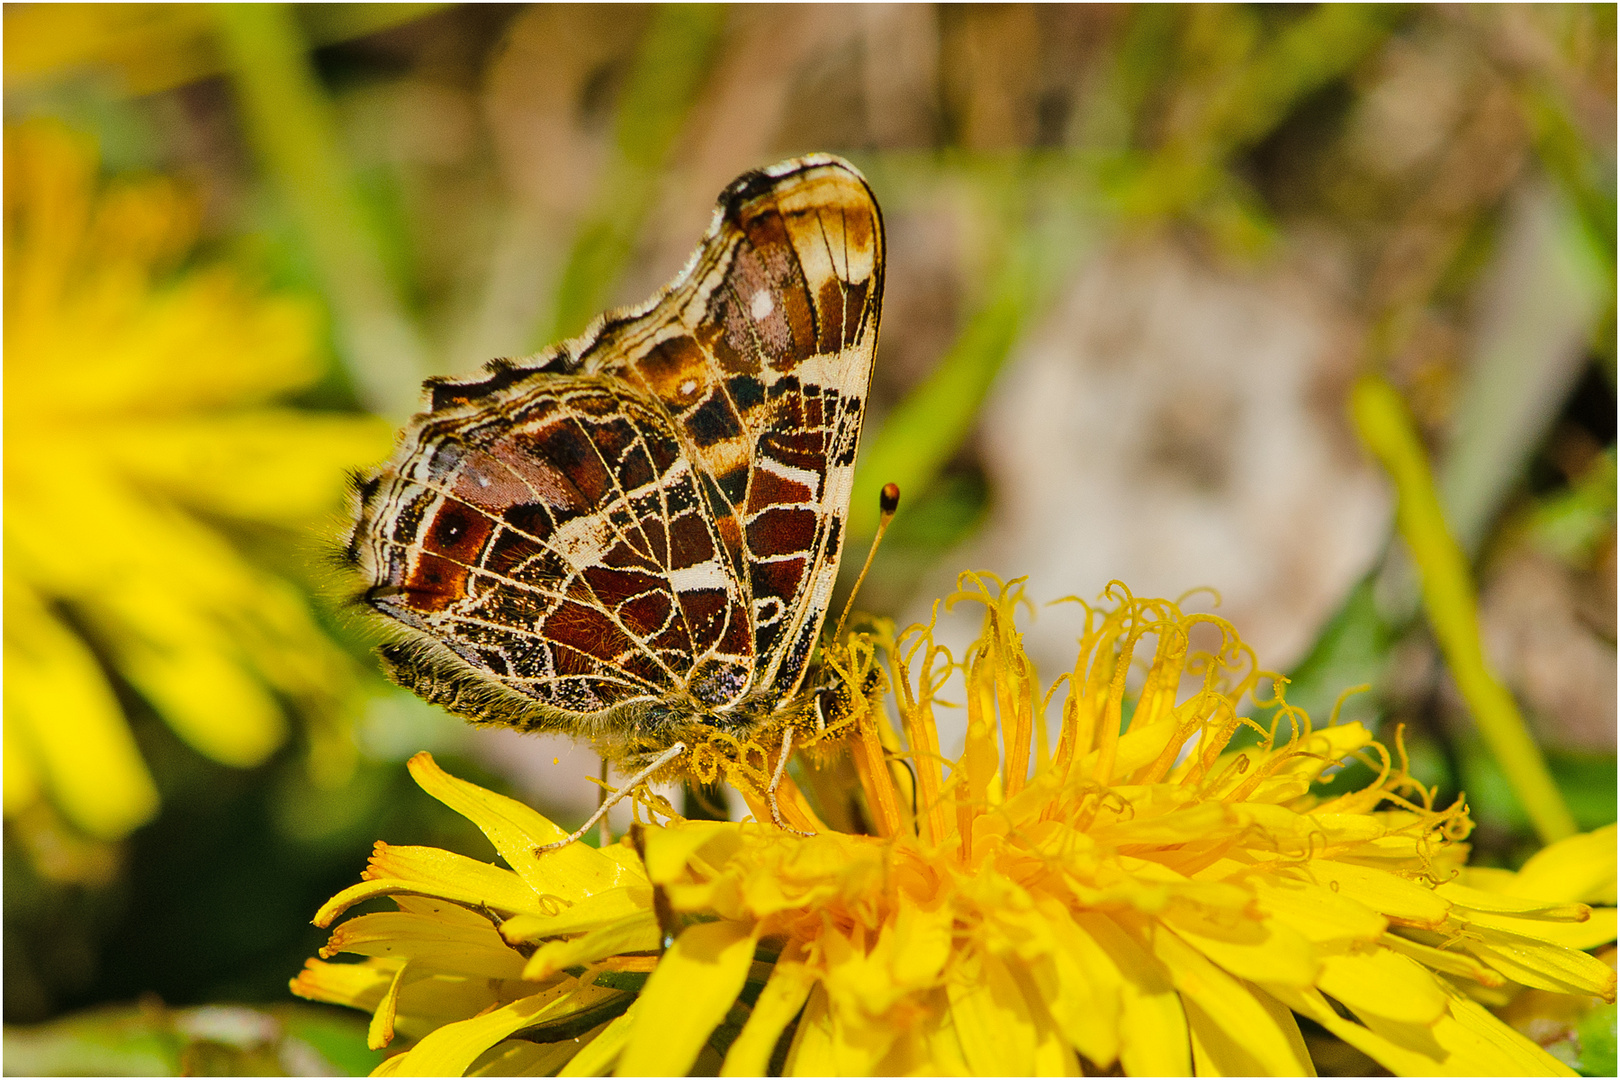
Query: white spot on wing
point(761, 305)
point(582, 541)
point(705, 575)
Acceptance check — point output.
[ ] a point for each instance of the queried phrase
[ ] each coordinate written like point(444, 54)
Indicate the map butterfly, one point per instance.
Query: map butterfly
point(632, 537)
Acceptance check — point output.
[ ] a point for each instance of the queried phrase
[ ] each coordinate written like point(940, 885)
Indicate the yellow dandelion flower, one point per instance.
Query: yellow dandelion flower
point(139, 420)
point(1138, 894)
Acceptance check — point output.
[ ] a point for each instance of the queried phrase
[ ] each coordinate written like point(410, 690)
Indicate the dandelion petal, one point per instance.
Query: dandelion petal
point(687, 996)
point(784, 995)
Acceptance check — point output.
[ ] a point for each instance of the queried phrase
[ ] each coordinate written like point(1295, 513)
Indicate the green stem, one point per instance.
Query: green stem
point(673, 57)
point(1263, 81)
point(922, 433)
point(291, 123)
point(1386, 427)
point(1041, 232)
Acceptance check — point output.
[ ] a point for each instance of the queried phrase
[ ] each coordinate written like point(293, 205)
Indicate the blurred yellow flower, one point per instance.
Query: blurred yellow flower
point(139, 428)
point(147, 48)
point(1144, 896)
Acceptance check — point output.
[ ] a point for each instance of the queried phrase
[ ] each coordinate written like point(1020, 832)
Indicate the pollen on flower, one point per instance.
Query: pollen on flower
point(1138, 890)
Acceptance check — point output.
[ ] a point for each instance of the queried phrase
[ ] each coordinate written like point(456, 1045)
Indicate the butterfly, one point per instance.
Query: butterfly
point(632, 536)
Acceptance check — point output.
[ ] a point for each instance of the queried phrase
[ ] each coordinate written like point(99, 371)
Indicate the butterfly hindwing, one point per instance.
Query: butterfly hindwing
point(558, 550)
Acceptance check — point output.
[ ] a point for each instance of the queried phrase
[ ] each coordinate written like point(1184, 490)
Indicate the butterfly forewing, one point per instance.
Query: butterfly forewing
point(645, 524)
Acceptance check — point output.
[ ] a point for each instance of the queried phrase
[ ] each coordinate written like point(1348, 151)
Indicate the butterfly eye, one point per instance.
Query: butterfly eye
point(717, 682)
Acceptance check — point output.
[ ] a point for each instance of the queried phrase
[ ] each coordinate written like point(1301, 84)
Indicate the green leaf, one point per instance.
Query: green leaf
point(1351, 651)
point(1597, 1035)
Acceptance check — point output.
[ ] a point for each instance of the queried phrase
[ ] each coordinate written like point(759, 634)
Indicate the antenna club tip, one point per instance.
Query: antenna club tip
point(889, 499)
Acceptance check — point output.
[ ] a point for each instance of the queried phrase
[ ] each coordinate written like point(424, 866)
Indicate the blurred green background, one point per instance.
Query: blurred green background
point(1137, 258)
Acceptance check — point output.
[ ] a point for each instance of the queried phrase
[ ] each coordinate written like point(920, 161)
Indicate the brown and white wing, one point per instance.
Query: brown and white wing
point(764, 371)
point(560, 546)
point(651, 514)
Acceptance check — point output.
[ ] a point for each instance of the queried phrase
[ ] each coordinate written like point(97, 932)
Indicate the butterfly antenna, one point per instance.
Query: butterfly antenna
point(888, 503)
point(613, 800)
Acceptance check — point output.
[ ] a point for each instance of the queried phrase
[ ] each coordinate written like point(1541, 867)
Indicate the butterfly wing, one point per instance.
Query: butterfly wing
point(557, 546)
point(644, 525)
point(765, 373)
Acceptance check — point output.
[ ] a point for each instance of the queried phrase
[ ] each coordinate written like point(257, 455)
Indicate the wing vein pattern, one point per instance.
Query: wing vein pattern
point(640, 528)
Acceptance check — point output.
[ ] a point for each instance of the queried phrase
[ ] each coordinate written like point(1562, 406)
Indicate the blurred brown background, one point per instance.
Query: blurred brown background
point(1137, 255)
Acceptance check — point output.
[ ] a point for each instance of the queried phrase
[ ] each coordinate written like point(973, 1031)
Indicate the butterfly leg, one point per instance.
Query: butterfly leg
point(776, 780)
point(617, 797)
point(606, 837)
